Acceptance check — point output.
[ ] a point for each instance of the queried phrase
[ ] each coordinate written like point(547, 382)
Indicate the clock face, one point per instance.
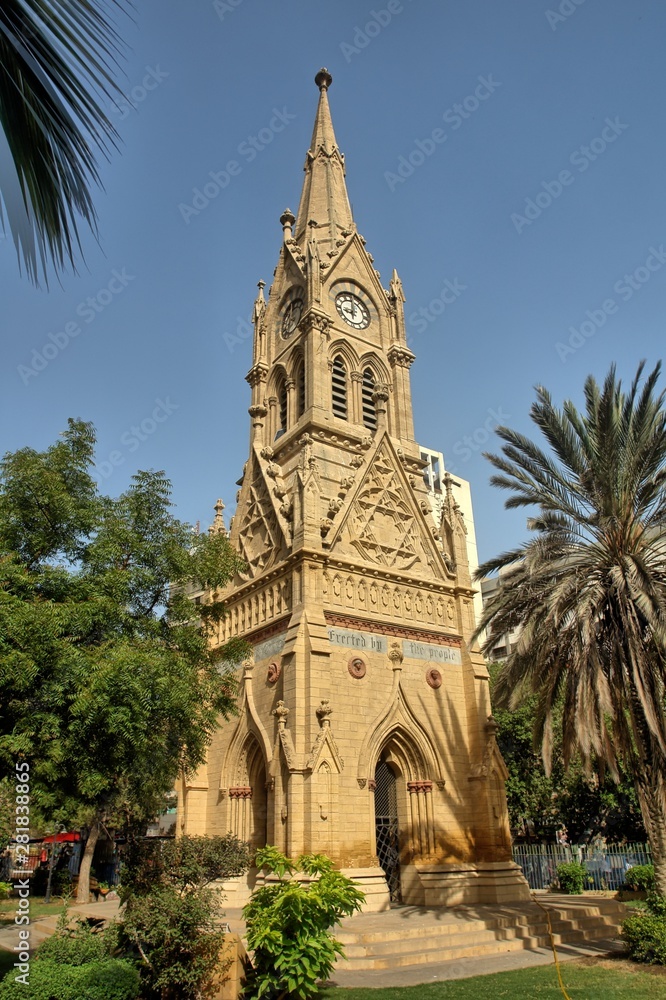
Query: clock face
point(291, 317)
point(353, 311)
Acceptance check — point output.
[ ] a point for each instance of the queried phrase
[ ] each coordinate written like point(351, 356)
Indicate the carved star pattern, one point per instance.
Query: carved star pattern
point(259, 535)
point(380, 512)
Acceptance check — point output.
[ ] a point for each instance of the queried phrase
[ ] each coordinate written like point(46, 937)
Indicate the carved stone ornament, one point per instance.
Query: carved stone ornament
point(281, 712)
point(434, 678)
point(362, 782)
point(324, 712)
point(357, 667)
point(274, 671)
point(395, 654)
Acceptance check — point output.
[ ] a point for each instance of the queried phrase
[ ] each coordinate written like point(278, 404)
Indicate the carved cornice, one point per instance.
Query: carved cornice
point(240, 793)
point(401, 356)
point(315, 321)
point(258, 373)
point(386, 628)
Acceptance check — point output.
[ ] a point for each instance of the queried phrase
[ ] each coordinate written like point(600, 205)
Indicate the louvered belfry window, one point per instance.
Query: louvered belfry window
point(369, 411)
point(339, 388)
point(300, 388)
point(282, 403)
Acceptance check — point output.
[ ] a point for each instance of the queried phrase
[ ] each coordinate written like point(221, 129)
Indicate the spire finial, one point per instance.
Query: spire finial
point(323, 79)
point(218, 527)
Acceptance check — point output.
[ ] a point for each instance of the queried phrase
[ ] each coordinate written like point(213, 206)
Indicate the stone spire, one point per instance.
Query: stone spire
point(218, 526)
point(324, 198)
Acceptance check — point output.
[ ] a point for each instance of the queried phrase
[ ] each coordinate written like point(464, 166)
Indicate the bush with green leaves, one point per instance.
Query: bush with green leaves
point(573, 877)
point(5, 889)
point(645, 935)
point(656, 904)
point(288, 924)
point(171, 919)
point(640, 878)
point(77, 945)
point(108, 979)
point(75, 962)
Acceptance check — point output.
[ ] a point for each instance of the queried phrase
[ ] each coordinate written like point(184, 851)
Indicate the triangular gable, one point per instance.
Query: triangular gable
point(381, 522)
point(353, 259)
point(325, 748)
point(260, 532)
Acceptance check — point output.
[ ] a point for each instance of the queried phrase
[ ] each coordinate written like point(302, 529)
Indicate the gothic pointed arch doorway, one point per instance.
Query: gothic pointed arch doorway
point(248, 812)
point(387, 827)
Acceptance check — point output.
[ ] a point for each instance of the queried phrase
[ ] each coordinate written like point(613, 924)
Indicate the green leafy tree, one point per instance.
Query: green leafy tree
point(289, 920)
point(56, 65)
point(108, 685)
point(588, 591)
point(7, 814)
point(172, 912)
point(587, 805)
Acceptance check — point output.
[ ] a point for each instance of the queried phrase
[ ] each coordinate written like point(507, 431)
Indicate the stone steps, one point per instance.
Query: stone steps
point(410, 936)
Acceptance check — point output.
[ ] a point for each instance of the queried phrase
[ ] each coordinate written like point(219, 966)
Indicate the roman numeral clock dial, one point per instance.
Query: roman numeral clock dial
point(352, 310)
point(291, 316)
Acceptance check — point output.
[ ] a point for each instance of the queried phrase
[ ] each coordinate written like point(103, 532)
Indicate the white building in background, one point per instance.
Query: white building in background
point(506, 643)
point(433, 476)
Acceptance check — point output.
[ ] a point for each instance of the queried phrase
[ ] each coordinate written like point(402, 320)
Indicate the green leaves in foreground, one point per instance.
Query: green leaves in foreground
point(288, 923)
point(57, 63)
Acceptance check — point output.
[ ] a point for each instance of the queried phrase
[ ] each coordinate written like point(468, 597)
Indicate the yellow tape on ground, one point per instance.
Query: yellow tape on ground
point(552, 945)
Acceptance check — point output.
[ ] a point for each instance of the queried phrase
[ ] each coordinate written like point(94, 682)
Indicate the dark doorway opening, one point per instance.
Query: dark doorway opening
point(386, 827)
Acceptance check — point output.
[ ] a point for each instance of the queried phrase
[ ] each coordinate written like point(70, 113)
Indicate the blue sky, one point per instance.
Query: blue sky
point(539, 200)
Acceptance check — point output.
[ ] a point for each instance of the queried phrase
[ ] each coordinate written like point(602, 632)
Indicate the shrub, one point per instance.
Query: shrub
point(74, 946)
point(645, 935)
point(5, 889)
point(182, 863)
point(171, 919)
point(656, 904)
point(573, 877)
point(640, 878)
point(176, 939)
point(109, 979)
point(288, 924)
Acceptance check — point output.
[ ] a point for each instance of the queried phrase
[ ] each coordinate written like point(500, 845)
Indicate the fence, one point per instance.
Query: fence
point(606, 866)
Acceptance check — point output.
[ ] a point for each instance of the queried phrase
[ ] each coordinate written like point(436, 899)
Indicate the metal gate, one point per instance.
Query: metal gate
point(386, 828)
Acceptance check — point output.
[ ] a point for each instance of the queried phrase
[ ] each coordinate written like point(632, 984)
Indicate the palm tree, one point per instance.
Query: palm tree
point(56, 62)
point(588, 591)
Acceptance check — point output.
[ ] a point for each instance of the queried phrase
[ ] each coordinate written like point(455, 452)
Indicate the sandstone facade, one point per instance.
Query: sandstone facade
point(364, 727)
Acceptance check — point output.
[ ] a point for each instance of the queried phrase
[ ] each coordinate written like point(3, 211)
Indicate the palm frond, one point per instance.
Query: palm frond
point(57, 65)
point(587, 593)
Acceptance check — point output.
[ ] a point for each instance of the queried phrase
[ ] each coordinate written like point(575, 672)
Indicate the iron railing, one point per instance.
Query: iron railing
point(606, 866)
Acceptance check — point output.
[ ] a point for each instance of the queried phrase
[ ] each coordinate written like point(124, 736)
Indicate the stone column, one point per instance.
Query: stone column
point(355, 400)
point(291, 402)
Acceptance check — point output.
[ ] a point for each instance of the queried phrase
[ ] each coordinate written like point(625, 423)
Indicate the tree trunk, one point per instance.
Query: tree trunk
point(83, 892)
point(651, 791)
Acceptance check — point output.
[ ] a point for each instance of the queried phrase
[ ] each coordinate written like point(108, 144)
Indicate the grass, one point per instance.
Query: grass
point(38, 908)
point(587, 979)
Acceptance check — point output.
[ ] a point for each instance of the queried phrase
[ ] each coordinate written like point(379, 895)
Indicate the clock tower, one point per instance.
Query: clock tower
point(364, 728)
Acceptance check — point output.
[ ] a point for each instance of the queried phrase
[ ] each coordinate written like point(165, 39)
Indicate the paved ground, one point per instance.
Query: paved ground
point(43, 927)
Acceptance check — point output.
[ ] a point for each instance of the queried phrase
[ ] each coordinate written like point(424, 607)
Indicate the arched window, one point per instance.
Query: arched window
point(299, 380)
point(282, 403)
point(367, 389)
point(339, 387)
point(281, 393)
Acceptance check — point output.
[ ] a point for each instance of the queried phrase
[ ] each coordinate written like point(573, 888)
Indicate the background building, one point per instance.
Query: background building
point(505, 643)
